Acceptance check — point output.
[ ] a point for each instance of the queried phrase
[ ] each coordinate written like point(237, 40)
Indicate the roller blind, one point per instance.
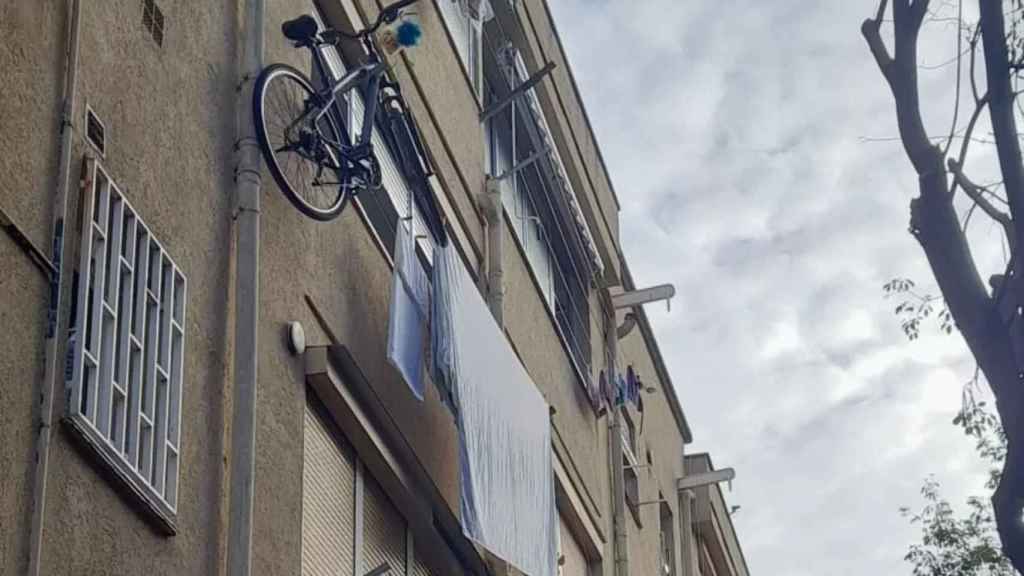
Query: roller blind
point(328, 501)
point(383, 531)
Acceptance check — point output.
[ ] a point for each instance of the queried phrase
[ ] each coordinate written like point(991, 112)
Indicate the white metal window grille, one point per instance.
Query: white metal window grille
point(530, 198)
point(124, 394)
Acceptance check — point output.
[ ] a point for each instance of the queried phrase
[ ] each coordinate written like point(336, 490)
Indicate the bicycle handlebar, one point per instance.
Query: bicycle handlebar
point(389, 14)
point(386, 16)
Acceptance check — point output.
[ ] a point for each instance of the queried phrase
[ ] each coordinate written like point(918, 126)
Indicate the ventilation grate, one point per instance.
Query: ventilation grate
point(95, 131)
point(153, 20)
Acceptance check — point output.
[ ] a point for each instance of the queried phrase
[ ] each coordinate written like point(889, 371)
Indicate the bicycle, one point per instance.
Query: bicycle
point(302, 134)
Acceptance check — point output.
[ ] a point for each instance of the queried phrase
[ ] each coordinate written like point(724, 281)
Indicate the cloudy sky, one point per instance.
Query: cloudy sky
point(748, 142)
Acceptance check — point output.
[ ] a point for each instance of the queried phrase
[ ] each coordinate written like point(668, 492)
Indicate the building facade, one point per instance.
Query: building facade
point(119, 274)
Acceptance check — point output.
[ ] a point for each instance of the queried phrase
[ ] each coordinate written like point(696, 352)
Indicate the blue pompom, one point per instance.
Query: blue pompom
point(408, 33)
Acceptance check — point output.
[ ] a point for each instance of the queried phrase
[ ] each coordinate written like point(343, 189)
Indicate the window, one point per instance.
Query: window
point(538, 221)
point(667, 551)
point(464, 20)
point(126, 349)
point(340, 499)
point(630, 466)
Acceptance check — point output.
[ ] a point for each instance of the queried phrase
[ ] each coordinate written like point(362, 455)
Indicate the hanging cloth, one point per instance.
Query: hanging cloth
point(620, 390)
point(479, 10)
point(407, 320)
point(507, 500)
point(632, 386)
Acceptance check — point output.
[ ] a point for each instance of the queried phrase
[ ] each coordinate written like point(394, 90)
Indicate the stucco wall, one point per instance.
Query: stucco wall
point(169, 113)
point(29, 103)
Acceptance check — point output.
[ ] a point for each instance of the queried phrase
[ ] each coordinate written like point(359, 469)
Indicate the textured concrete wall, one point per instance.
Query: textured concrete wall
point(659, 436)
point(169, 114)
point(31, 44)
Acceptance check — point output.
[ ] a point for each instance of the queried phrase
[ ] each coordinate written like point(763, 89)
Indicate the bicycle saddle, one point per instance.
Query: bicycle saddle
point(300, 29)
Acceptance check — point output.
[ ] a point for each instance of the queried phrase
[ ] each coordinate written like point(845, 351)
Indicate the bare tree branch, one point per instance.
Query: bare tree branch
point(979, 106)
point(1004, 124)
point(977, 194)
point(959, 70)
point(870, 29)
point(974, 58)
point(918, 10)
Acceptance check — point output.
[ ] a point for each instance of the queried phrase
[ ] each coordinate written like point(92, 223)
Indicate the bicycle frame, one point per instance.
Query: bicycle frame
point(367, 77)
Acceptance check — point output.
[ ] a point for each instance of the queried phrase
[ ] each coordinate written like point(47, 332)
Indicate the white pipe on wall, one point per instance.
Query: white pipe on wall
point(620, 548)
point(56, 296)
point(495, 249)
point(247, 249)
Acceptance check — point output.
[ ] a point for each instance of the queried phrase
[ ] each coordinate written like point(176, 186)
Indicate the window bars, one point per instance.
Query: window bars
point(542, 218)
point(127, 346)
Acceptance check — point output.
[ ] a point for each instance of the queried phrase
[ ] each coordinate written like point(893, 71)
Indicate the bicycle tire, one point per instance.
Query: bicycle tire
point(298, 85)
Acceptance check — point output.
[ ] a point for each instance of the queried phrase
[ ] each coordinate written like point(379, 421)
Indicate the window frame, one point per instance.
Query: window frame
point(630, 465)
point(456, 24)
point(667, 536)
point(570, 312)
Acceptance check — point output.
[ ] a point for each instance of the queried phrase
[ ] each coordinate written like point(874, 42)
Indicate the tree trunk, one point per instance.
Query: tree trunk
point(1005, 374)
point(934, 223)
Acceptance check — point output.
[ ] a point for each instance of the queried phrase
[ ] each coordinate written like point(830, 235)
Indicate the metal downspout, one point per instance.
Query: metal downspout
point(247, 218)
point(56, 297)
point(619, 549)
point(689, 545)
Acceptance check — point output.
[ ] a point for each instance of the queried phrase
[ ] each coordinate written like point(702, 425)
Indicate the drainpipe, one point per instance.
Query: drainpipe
point(689, 544)
point(56, 298)
point(619, 549)
point(495, 249)
point(247, 249)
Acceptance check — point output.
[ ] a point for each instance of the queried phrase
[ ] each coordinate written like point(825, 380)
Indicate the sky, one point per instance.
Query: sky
point(751, 147)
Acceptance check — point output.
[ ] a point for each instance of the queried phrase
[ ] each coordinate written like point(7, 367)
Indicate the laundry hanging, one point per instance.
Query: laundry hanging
point(507, 480)
point(410, 305)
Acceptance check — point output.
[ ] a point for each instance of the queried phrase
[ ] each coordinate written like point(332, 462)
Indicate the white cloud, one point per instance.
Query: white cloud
point(755, 193)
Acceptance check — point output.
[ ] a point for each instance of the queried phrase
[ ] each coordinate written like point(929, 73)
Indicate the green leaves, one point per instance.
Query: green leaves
point(915, 308)
point(962, 545)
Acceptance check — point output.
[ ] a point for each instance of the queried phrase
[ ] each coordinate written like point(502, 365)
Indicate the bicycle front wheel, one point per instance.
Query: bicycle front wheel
point(302, 153)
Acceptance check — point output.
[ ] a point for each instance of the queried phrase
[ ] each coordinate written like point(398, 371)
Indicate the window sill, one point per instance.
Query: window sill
point(107, 463)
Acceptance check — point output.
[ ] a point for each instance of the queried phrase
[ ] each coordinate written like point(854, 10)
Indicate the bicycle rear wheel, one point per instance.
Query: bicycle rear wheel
point(303, 155)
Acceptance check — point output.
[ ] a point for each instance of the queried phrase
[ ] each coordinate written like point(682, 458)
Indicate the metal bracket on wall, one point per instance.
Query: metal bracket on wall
point(643, 296)
point(636, 466)
point(706, 478)
point(516, 92)
point(34, 254)
point(523, 163)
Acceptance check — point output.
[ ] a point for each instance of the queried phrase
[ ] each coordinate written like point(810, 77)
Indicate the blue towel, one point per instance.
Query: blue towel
point(410, 291)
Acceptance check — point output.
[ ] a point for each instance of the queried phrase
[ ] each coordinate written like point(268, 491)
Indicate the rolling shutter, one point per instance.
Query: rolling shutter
point(328, 501)
point(383, 531)
point(574, 563)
